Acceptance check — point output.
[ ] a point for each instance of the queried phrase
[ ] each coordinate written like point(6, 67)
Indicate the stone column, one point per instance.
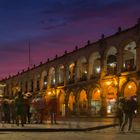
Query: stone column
point(103, 67)
point(138, 56)
point(119, 60)
point(66, 75)
point(103, 105)
point(56, 76)
point(76, 73)
point(88, 70)
point(138, 98)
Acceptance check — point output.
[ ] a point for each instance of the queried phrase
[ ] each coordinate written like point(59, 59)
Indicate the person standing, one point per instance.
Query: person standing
point(129, 108)
point(119, 110)
point(1, 112)
point(20, 109)
point(53, 109)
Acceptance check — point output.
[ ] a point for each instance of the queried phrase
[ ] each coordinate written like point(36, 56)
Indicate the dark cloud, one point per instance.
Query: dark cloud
point(72, 11)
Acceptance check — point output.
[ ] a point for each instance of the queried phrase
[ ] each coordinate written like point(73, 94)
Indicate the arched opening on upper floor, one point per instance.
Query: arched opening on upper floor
point(94, 65)
point(82, 69)
point(52, 79)
point(61, 75)
point(71, 72)
point(44, 80)
point(129, 57)
point(111, 61)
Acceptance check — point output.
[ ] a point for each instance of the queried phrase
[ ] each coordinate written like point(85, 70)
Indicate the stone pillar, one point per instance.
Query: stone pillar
point(103, 67)
point(76, 73)
point(89, 106)
point(66, 107)
point(88, 70)
point(103, 111)
point(66, 73)
point(56, 76)
point(138, 98)
point(49, 80)
point(138, 56)
point(34, 84)
point(10, 89)
point(119, 60)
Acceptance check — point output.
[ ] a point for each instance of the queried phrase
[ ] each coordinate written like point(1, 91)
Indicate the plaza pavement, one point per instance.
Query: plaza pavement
point(73, 124)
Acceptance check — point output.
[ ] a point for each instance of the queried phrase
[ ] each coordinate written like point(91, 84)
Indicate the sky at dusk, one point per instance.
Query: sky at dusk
point(53, 26)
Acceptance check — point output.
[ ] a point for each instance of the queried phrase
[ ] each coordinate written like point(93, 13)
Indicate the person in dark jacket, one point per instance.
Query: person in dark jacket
point(129, 108)
point(20, 108)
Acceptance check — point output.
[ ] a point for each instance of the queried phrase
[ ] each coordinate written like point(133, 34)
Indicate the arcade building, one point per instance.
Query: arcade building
point(89, 80)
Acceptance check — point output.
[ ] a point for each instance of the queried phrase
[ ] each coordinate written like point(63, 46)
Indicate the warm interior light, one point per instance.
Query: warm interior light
point(108, 82)
point(129, 86)
point(49, 93)
point(98, 91)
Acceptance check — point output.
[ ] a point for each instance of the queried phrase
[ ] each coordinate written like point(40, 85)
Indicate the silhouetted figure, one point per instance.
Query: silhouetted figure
point(6, 110)
point(128, 113)
point(20, 109)
point(119, 112)
point(12, 111)
point(53, 109)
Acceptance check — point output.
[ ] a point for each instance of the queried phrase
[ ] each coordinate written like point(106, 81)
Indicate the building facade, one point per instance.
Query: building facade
point(88, 80)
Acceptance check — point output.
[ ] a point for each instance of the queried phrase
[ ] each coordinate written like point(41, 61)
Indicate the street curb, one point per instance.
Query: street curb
point(55, 129)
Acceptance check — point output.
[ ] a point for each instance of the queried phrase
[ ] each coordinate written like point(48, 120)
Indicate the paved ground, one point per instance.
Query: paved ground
point(105, 134)
point(111, 133)
point(82, 123)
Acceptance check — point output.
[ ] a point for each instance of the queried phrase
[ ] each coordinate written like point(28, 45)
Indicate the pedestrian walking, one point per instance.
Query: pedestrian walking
point(119, 110)
point(40, 108)
point(20, 109)
point(33, 111)
point(53, 109)
point(6, 110)
point(12, 112)
point(1, 112)
point(129, 108)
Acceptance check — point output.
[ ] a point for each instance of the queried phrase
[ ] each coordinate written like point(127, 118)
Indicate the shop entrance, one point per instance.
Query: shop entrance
point(71, 103)
point(61, 104)
point(111, 98)
point(83, 103)
point(95, 101)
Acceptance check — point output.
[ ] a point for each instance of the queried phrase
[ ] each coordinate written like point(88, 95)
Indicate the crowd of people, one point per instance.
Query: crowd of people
point(126, 111)
point(26, 109)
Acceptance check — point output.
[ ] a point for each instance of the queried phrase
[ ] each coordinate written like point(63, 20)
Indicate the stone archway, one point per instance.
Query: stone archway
point(61, 103)
point(71, 103)
point(83, 103)
point(95, 103)
point(130, 89)
point(111, 98)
